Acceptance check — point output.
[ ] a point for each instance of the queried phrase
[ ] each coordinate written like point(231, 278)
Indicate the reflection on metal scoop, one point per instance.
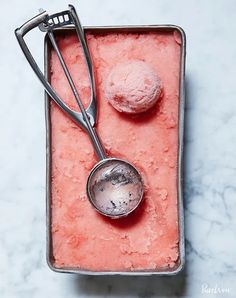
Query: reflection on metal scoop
point(114, 186)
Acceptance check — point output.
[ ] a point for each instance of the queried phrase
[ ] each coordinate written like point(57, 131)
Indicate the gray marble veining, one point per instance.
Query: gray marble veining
point(210, 160)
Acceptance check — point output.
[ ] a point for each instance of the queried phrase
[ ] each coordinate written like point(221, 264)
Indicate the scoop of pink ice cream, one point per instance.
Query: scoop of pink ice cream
point(132, 87)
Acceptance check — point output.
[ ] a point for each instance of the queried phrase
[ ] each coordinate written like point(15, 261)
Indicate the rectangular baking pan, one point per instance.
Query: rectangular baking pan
point(106, 29)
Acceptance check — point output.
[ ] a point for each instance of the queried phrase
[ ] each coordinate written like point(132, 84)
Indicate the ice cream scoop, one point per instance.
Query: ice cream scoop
point(132, 87)
point(114, 186)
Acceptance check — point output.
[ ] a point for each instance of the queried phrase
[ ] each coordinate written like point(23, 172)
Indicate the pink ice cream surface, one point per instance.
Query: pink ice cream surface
point(132, 86)
point(148, 239)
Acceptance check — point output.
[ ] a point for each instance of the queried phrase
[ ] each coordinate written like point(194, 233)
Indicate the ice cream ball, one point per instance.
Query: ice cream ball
point(132, 87)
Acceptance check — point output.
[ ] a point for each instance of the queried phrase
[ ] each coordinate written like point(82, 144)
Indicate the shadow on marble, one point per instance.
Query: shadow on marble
point(188, 140)
point(123, 286)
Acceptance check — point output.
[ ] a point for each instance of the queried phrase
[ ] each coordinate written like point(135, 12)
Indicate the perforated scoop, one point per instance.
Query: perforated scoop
point(114, 186)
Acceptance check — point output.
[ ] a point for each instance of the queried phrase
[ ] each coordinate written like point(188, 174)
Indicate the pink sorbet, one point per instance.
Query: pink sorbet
point(148, 239)
point(132, 86)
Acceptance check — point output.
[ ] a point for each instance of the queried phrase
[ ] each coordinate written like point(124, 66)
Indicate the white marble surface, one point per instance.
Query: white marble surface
point(210, 160)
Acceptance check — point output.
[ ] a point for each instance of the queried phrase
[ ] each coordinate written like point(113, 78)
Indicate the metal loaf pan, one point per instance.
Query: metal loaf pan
point(132, 29)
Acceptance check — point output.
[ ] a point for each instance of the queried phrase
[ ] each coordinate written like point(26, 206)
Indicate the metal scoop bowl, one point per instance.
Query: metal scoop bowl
point(114, 187)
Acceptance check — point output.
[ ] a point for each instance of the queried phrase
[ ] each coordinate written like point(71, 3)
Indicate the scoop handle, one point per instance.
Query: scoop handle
point(87, 117)
point(20, 33)
point(92, 109)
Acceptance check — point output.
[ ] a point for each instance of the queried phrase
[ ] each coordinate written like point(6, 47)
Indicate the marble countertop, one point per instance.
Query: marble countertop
point(210, 160)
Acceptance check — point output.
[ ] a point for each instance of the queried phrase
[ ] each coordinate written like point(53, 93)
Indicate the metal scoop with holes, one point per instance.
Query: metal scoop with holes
point(114, 186)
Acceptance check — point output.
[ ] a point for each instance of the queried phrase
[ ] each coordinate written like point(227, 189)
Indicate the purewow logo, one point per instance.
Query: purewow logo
point(216, 289)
